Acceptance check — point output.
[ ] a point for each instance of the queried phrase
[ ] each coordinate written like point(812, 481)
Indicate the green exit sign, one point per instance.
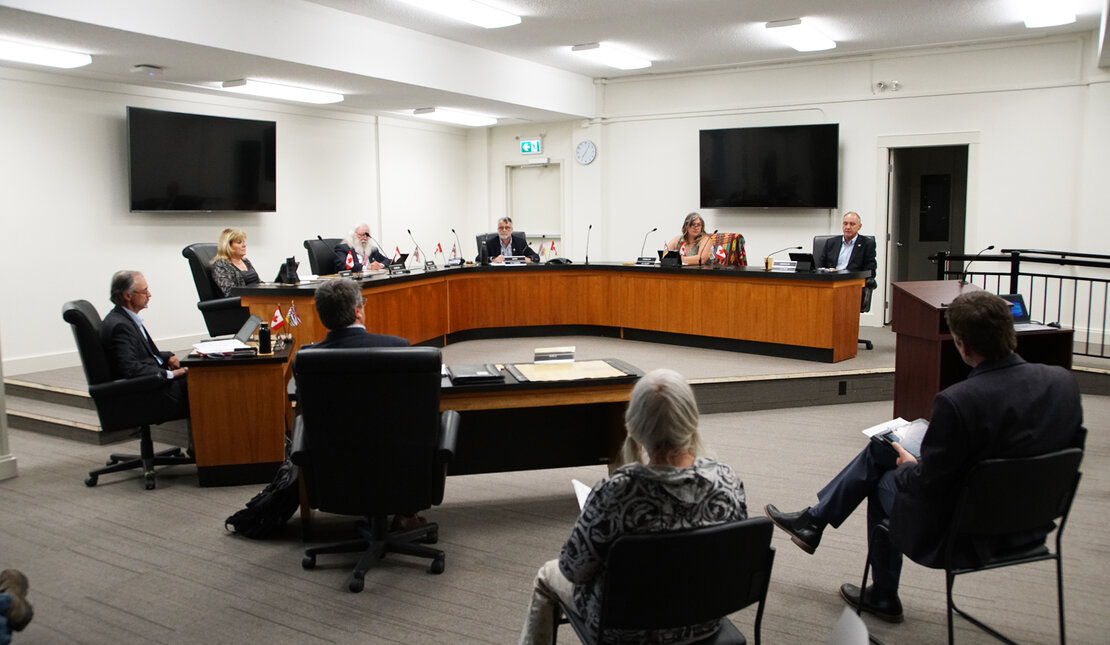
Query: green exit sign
point(530, 147)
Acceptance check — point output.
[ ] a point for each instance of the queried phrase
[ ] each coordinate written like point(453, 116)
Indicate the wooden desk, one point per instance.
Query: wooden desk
point(926, 359)
point(528, 426)
point(239, 413)
point(809, 316)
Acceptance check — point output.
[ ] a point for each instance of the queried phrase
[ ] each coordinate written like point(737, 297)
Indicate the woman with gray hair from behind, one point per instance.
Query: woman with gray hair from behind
point(665, 485)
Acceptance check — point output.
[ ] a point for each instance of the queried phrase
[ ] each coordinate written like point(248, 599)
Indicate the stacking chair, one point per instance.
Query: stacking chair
point(223, 316)
point(120, 403)
point(321, 254)
point(677, 578)
point(999, 498)
point(868, 287)
point(393, 461)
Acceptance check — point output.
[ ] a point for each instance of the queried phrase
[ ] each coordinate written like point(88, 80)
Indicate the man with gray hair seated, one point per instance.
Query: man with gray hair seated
point(342, 309)
point(504, 244)
point(360, 251)
point(664, 485)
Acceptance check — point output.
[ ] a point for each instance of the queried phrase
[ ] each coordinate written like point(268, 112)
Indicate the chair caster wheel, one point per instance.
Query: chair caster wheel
point(431, 538)
point(437, 566)
point(111, 462)
point(91, 481)
point(150, 481)
point(308, 562)
point(355, 585)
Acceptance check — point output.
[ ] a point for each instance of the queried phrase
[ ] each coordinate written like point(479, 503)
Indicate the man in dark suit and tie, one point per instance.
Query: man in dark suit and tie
point(130, 348)
point(1006, 408)
point(852, 252)
point(342, 309)
point(504, 243)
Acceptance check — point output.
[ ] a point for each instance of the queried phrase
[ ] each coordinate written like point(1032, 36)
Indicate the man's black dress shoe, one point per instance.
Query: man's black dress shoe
point(802, 529)
point(885, 605)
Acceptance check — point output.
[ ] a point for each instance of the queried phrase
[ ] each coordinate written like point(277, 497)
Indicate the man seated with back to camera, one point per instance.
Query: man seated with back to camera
point(1006, 408)
point(131, 350)
point(364, 254)
point(342, 309)
point(504, 244)
point(665, 485)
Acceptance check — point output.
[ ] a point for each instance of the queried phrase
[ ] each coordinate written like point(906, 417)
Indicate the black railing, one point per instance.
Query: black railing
point(1055, 294)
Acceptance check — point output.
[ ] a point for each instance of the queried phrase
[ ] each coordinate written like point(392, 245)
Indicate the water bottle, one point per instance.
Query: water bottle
point(264, 339)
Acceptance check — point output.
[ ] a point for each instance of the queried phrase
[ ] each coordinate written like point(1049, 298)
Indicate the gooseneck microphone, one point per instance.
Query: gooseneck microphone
point(417, 245)
point(588, 243)
point(645, 240)
point(785, 248)
point(963, 276)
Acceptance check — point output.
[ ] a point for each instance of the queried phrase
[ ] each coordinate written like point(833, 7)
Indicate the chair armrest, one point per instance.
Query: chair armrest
point(870, 283)
point(219, 304)
point(126, 386)
point(448, 436)
point(299, 452)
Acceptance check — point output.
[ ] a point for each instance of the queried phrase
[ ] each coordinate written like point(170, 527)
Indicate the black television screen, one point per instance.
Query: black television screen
point(194, 162)
point(792, 166)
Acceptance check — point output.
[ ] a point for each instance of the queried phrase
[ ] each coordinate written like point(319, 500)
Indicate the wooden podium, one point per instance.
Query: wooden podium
point(926, 359)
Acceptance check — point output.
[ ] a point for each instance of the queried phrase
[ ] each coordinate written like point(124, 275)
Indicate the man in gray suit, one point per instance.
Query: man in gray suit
point(1006, 408)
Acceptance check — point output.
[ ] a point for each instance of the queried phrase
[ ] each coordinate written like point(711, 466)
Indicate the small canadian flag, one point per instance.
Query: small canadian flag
point(350, 260)
point(278, 320)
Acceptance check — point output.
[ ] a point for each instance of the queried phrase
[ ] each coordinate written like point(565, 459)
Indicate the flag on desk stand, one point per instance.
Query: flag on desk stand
point(721, 253)
point(682, 249)
point(416, 256)
point(278, 320)
point(543, 250)
point(292, 318)
point(553, 252)
point(396, 253)
point(350, 262)
point(439, 252)
point(454, 251)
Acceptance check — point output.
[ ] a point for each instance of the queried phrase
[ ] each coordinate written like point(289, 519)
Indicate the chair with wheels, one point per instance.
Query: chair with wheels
point(677, 578)
point(481, 240)
point(223, 316)
point(391, 462)
point(321, 255)
point(868, 286)
point(120, 403)
point(1001, 499)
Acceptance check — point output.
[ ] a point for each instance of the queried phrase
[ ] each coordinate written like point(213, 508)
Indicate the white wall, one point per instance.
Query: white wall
point(64, 203)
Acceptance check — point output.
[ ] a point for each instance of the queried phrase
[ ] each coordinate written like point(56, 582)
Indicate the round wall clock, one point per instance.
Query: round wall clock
point(585, 152)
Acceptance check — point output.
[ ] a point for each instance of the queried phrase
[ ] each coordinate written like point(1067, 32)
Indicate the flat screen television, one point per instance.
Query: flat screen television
point(790, 166)
point(194, 162)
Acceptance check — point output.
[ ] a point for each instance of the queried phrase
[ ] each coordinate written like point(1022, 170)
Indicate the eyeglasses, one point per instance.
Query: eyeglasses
point(366, 234)
point(364, 302)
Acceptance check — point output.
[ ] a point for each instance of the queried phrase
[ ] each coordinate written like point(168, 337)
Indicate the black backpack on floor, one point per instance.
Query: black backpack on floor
point(270, 509)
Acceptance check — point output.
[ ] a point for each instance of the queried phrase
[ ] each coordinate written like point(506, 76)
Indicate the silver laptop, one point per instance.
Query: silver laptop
point(1020, 312)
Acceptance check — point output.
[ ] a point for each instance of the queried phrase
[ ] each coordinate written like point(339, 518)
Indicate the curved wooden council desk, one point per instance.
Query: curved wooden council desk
point(809, 316)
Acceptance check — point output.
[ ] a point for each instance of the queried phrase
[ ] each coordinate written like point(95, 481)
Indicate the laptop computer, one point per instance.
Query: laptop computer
point(400, 260)
point(1020, 312)
point(231, 344)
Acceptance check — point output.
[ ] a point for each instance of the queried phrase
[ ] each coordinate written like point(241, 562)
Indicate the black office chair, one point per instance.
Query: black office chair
point(999, 498)
point(321, 255)
point(480, 239)
point(393, 461)
point(868, 286)
point(677, 578)
point(223, 316)
point(120, 403)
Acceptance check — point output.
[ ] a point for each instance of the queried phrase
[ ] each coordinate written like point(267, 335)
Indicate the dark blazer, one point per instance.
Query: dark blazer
point(130, 353)
point(341, 251)
point(358, 337)
point(519, 246)
point(863, 254)
point(1004, 409)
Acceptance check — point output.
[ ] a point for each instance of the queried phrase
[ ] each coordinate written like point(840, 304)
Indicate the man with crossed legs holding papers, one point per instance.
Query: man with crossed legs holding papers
point(1006, 408)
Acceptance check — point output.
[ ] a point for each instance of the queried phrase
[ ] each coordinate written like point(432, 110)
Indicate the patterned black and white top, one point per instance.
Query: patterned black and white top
point(642, 499)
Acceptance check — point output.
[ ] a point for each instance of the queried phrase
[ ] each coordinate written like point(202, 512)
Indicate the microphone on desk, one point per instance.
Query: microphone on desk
point(963, 276)
point(588, 243)
point(458, 252)
point(420, 250)
point(768, 262)
point(368, 260)
point(645, 240)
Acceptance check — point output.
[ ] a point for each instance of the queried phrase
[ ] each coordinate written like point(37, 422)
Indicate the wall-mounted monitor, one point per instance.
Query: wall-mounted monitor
point(792, 166)
point(194, 162)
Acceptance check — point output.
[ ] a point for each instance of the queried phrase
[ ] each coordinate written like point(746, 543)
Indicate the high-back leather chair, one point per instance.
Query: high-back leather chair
point(120, 403)
point(222, 316)
point(678, 578)
point(480, 239)
point(1005, 497)
point(868, 287)
point(321, 255)
point(393, 461)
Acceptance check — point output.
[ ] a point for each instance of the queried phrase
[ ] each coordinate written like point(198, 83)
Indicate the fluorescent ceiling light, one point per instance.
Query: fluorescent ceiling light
point(606, 54)
point(1047, 13)
point(456, 117)
point(801, 37)
point(38, 55)
point(475, 13)
point(285, 92)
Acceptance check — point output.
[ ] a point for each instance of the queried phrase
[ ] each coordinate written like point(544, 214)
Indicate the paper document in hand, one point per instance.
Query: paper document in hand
point(582, 491)
point(908, 434)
